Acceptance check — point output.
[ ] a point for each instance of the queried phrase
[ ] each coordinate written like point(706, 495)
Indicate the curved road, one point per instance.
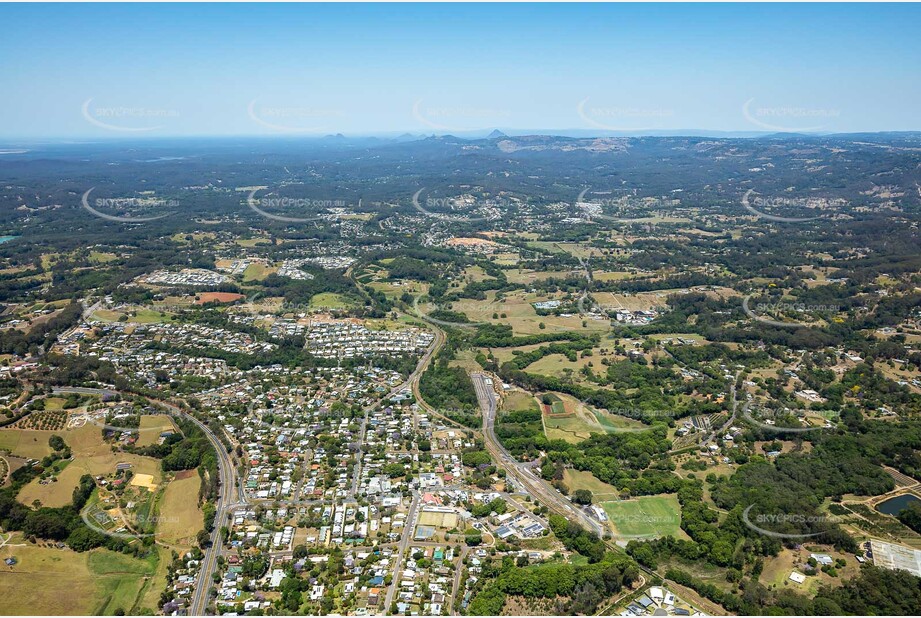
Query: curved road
point(227, 470)
point(227, 476)
point(535, 486)
point(229, 483)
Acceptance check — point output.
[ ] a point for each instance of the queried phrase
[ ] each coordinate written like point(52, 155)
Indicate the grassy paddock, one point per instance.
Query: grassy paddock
point(647, 516)
point(28, 443)
point(578, 479)
point(519, 400)
point(91, 455)
point(329, 300)
point(570, 428)
point(62, 582)
point(257, 271)
point(180, 516)
point(152, 425)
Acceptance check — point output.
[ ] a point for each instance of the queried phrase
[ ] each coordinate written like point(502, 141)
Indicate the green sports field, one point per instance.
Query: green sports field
point(648, 516)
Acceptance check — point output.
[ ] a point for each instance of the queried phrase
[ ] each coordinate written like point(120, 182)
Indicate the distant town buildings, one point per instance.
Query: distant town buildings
point(189, 276)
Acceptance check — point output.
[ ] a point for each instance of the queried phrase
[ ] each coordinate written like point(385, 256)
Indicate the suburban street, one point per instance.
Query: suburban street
point(411, 383)
point(232, 494)
point(405, 540)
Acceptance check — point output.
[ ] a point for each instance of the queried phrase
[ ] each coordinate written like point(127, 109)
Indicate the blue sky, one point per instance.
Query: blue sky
point(163, 70)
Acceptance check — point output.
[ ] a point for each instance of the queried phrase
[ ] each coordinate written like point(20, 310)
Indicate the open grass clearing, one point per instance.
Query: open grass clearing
point(475, 274)
point(526, 276)
point(54, 403)
point(149, 316)
point(579, 479)
point(181, 237)
point(572, 429)
point(519, 400)
point(616, 275)
point(106, 315)
point(675, 336)
point(506, 258)
point(27, 443)
point(330, 300)
point(55, 494)
point(574, 249)
point(504, 355)
point(395, 289)
point(566, 418)
point(558, 365)
point(253, 242)
point(180, 517)
point(257, 271)
point(467, 360)
point(99, 257)
point(152, 425)
point(50, 581)
point(615, 422)
point(91, 455)
point(218, 297)
point(644, 517)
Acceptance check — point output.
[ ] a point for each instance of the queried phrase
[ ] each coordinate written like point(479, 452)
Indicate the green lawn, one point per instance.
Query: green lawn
point(148, 316)
point(106, 315)
point(329, 300)
point(519, 400)
point(102, 258)
point(121, 580)
point(143, 316)
point(571, 428)
point(647, 516)
point(615, 422)
point(578, 479)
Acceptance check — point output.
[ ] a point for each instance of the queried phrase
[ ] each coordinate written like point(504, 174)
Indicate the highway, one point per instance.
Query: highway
point(82, 390)
point(439, 342)
point(536, 487)
point(225, 503)
point(89, 311)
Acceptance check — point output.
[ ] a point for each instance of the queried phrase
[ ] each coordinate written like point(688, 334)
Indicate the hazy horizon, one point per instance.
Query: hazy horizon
point(416, 136)
point(95, 71)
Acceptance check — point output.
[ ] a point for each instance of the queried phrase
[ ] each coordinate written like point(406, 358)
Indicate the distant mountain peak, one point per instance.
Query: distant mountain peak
point(496, 134)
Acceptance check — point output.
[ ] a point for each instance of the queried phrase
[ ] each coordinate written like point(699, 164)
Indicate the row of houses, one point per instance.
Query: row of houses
point(348, 339)
point(189, 276)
